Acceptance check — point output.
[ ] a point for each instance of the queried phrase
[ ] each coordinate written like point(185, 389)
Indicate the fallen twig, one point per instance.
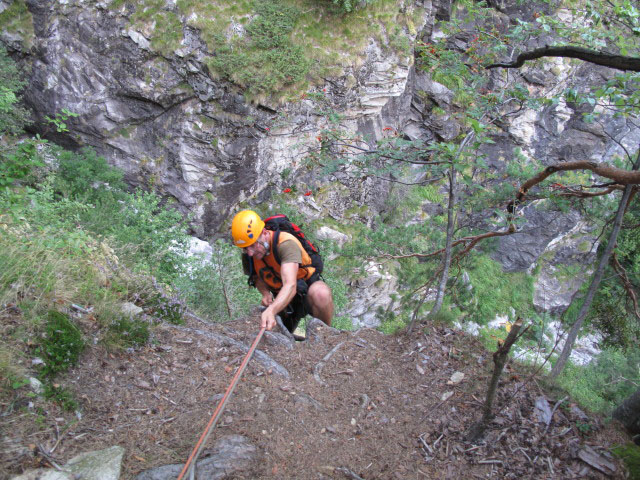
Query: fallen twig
point(320, 365)
point(553, 410)
point(349, 473)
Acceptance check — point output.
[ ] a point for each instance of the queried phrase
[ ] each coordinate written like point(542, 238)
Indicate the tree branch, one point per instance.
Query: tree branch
point(618, 62)
point(622, 273)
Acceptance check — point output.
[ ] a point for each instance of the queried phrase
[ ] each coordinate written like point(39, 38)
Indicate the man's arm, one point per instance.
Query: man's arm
point(267, 297)
point(289, 275)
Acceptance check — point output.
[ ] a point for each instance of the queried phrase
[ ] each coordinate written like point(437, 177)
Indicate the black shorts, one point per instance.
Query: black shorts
point(299, 306)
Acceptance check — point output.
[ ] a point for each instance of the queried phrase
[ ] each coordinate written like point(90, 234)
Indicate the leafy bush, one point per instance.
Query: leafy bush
point(350, 5)
point(62, 344)
point(266, 61)
point(18, 164)
point(495, 292)
point(128, 332)
point(165, 307)
point(218, 289)
point(13, 117)
point(630, 454)
point(605, 383)
point(61, 396)
point(85, 176)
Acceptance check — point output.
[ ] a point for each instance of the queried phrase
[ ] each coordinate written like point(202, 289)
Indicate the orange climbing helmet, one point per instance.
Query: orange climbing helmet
point(246, 227)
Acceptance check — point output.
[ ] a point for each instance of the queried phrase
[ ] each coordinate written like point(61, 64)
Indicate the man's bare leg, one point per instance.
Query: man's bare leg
point(321, 301)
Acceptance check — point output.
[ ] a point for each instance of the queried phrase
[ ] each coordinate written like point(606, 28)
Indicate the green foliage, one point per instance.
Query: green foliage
point(274, 48)
point(218, 289)
point(86, 177)
point(126, 332)
point(445, 316)
point(18, 164)
point(496, 292)
point(350, 5)
point(13, 117)
point(16, 19)
point(61, 345)
point(604, 383)
point(267, 60)
point(150, 236)
point(630, 454)
point(169, 308)
point(61, 395)
point(60, 119)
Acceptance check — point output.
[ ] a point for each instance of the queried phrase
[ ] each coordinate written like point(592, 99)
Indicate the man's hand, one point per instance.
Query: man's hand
point(268, 319)
point(267, 299)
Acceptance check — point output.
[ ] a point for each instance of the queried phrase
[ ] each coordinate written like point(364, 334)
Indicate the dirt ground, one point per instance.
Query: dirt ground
point(377, 407)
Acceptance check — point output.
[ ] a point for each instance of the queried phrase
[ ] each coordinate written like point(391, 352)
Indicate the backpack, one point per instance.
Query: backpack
point(281, 223)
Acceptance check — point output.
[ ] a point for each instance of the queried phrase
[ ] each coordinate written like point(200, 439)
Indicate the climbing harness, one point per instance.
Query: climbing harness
point(190, 464)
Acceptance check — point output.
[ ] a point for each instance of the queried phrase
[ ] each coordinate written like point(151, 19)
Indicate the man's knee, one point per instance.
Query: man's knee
point(320, 294)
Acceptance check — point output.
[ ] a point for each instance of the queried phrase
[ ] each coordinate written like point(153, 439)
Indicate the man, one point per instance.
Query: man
point(291, 283)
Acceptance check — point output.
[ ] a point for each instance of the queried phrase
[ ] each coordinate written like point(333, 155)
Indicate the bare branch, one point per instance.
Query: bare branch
point(622, 273)
point(618, 62)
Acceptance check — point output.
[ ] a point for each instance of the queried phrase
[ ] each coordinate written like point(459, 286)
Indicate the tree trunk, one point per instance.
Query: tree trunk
point(447, 250)
point(628, 413)
point(595, 282)
point(500, 358)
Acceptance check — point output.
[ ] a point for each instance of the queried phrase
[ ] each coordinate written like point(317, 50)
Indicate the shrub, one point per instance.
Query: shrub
point(604, 383)
point(13, 117)
point(350, 5)
point(630, 454)
point(218, 289)
point(61, 345)
point(62, 396)
point(128, 332)
point(86, 176)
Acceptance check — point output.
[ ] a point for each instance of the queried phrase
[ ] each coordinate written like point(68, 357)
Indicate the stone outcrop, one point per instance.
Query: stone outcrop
point(98, 465)
point(231, 455)
point(171, 127)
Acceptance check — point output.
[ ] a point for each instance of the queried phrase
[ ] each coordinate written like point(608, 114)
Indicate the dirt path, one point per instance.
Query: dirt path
point(380, 407)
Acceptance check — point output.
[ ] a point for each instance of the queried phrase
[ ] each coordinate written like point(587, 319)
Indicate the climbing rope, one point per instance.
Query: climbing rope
point(188, 466)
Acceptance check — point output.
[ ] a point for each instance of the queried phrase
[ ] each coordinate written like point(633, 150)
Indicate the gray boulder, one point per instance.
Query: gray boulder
point(231, 455)
point(97, 465)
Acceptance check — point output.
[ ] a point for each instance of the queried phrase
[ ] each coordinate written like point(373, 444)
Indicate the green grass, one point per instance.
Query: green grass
point(61, 344)
point(312, 39)
point(127, 332)
point(604, 383)
point(630, 454)
point(17, 19)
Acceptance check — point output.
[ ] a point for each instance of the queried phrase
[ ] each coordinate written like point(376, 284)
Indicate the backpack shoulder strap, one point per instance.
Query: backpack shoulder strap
point(274, 245)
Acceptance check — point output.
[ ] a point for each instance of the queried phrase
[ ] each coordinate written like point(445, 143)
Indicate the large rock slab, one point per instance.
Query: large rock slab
point(231, 455)
point(97, 465)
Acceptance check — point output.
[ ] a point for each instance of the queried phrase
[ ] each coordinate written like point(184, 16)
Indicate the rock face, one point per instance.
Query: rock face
point(371, 296)
point(170, 127)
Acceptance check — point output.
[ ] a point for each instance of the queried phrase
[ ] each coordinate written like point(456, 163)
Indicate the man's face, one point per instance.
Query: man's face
point(257, 249)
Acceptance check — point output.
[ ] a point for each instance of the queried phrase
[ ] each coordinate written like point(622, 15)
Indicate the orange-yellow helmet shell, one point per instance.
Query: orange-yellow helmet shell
point(246, 227)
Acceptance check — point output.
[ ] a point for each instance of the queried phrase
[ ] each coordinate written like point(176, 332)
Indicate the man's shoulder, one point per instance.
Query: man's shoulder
point(289, 252)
